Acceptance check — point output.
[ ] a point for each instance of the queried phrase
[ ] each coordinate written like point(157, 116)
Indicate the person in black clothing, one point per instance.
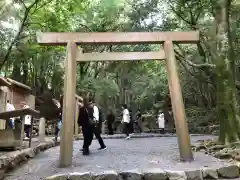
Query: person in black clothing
point(59, 122)
point(110, 121)
point(88, 122)
point(83, 121)
point(131, 124)
point(138, 120)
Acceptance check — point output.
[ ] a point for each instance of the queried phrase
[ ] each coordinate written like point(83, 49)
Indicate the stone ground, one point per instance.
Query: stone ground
point(161, 152)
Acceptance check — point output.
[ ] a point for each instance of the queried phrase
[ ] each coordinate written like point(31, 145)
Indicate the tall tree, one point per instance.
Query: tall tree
point(223, 56)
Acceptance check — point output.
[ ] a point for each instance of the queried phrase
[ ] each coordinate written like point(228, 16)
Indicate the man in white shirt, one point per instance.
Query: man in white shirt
point(96, 130)
point(10, 107)
point(126, 120)
point(95, 113)
point(27, 121)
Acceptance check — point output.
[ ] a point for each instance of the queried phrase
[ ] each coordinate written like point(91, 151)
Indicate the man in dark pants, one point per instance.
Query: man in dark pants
point(88, 117)
point(83, 121)
point(138, 120)
point(94, 118)
point(59, 121)
point(110, 121)
point(131, 124)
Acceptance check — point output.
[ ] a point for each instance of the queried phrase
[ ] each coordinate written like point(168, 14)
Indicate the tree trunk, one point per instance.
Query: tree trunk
point(25, 72)
point(227, 104)
point(16, 73)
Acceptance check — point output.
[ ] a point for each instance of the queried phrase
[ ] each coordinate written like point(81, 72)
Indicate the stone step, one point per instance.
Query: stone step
point(229, 172)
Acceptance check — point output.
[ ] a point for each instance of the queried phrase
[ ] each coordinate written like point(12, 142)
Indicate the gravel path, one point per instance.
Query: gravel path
point(121, 155)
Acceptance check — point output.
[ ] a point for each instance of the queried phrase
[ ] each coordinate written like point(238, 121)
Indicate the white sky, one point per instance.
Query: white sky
point(11, 22)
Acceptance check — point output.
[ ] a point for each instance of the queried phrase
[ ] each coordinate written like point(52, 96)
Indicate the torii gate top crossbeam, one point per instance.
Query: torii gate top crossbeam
point(115, 38)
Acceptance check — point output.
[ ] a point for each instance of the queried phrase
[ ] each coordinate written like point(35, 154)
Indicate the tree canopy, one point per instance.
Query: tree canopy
point(209, 70)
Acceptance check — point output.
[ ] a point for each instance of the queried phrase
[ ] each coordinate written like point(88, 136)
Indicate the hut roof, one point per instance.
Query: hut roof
point(19, 85)
point(4, 82)
point(12, 83)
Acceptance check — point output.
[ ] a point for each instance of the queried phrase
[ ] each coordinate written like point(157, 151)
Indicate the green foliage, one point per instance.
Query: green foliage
point(135, 83)
point(139, 84)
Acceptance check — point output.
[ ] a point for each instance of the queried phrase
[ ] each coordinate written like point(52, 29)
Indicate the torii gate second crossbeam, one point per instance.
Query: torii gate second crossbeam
point(71, 40)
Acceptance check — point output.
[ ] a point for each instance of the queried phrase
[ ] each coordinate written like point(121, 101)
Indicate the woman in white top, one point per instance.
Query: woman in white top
point(161, 121)
point(126, 120)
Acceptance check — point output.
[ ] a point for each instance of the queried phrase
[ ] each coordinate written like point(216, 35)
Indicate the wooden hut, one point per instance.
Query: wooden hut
point(15, 92)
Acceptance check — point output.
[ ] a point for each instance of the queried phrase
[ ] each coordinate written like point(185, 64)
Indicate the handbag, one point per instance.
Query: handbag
point(91, 121)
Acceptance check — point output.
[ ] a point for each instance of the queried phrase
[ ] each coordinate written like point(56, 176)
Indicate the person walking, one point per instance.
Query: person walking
point(59, 121)
point(10, 107)
point(84, 122)
point(126, 120)
point(161, 121)
point(88, 119)
point(96, 130)
point(27, 121)
point(138, 120)
point(110, 121)
point(131, 124)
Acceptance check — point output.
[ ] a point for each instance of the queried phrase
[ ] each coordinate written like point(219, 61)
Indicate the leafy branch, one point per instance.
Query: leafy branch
point(9, 50)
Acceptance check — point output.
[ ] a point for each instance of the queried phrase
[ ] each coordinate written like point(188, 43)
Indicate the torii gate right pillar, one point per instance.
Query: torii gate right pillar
point(177, 104)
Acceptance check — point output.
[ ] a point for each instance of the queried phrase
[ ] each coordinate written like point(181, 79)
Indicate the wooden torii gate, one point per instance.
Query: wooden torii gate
point(71, 40)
